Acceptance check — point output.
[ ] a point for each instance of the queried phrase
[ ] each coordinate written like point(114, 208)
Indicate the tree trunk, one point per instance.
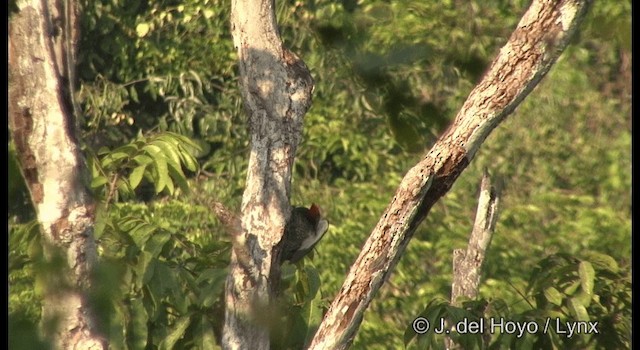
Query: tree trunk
point(41, 40)
point(542, 34)
point(276, 88)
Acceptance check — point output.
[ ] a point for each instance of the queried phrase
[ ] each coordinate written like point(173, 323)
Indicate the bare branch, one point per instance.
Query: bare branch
point(467, 263)
point(542, 34)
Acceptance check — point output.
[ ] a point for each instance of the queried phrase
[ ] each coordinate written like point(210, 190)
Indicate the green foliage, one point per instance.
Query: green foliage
point(566, 296)
point(439, 311)
point(19, 205)
point(163, 66)
point(301, 306)
point(157, 287)
point(24, 240)
point(593, 288)
point(389, 78)
point(158, 159)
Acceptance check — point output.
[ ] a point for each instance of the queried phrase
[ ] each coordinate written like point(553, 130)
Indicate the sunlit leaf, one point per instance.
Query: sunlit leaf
point(142, 29)
point(553, 296)
point(98, 181)
point(587, 277)
point(176, 333)
point(136, 176)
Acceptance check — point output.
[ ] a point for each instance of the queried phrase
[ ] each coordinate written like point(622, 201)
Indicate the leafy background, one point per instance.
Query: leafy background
point(165, 135)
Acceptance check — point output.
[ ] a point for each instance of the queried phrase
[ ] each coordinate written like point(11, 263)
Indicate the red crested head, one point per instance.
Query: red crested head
point(314, 212)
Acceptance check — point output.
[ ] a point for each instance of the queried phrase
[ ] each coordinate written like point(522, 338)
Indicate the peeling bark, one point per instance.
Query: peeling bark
point(276, 88)
point(542, 34)
point(42, 129)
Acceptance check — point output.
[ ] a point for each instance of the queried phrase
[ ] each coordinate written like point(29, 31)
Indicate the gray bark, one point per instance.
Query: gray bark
point(276, 88)
point(467, 263)
point(42, 128)
point(542, 34)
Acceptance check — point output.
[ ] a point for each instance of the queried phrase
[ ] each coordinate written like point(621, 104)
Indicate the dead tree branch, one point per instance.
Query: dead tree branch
point(542, 34)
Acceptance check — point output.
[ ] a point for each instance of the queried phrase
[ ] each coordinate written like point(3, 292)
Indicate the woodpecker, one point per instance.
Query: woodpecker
point(303, 231)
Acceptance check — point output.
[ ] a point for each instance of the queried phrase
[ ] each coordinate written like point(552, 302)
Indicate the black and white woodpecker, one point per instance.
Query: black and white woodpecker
point(303, 231)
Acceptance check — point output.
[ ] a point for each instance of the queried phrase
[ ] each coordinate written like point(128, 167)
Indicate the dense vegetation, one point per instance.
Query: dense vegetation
point(164, 134)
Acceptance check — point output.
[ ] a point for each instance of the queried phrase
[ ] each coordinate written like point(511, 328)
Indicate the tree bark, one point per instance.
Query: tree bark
point(542, 34)
point(41, 40)
point(467, 263)
point(276, 88)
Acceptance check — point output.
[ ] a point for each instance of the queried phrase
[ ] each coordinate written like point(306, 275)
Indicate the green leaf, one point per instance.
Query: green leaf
point(141, 233)
point(111, 158)
point(98, 181)
point(313, 313)
point(433, 312)
point(208, 297)
point(137, 330)
point(117, 329)
point(178, 177)
point(206, 337)
point(169, 150)
point(572, 288)
point(169, 185)
point(156, 242)
point(188, 160)
point(142, 159)
point(128, 223)
point(133, 93)
point(186, 149)
point(153, 150)
point(212, 275)
point(313, 280)
point(162, 172)
point(176, 333)
point(103, 150)
point(525, 343)
point(583, 298)
point(124, 189)
point(602, 261)
point(587, 277)
point(142, 29)
point(145, 269)
point(553, 296)
point(128, 150)
point(171, 138)
point(578, 310)
point(136, 176)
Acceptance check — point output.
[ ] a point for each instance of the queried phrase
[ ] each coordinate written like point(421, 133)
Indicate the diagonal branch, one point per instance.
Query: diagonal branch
point(542, 34)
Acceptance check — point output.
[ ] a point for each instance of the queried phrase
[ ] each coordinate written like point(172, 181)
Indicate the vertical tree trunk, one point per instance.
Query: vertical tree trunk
point(276, 88)
point(42, 128)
